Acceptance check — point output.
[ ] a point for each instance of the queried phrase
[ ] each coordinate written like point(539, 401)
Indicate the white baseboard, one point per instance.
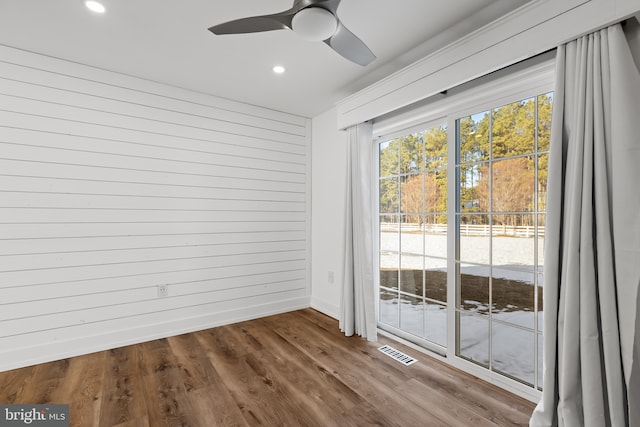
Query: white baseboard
point(33, 355)
point(325, 307)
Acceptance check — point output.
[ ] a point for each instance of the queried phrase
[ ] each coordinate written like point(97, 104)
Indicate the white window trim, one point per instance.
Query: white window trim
point(536, 27)
point(507, 84)
point(523, 81)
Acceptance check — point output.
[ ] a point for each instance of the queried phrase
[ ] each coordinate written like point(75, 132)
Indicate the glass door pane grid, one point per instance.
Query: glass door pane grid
point(468, 164)
point(403, 163)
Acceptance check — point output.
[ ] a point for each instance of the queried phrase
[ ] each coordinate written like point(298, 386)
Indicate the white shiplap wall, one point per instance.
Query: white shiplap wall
point(112, 185)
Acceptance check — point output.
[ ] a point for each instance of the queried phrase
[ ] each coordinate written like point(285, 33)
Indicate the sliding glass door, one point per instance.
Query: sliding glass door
point(413, 234)
point(461, 233)
point(501, 171)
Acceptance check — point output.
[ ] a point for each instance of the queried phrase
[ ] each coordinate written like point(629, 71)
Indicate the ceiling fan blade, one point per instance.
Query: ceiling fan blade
point(351, 47)
point(254, 24)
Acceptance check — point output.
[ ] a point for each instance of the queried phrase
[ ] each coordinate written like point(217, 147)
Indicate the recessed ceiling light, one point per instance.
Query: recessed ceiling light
point(94, 6)
point(278, 69)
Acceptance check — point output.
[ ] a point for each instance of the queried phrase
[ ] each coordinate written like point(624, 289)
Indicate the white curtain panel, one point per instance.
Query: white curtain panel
point(358, 314)
point(592, 251)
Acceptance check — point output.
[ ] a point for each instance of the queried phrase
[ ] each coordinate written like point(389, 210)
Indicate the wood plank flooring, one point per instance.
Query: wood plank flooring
point(292, 369)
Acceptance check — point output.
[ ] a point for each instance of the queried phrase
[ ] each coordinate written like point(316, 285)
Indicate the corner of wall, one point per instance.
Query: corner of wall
point(326, 307)
point(327, 209)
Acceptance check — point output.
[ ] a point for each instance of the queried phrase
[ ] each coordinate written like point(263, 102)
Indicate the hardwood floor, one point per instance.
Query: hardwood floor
point(293, 369)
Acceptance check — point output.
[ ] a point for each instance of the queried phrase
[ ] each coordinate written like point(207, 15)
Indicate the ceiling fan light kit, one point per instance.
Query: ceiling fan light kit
point(314, 20)
point(314, 24)
point(94, 6)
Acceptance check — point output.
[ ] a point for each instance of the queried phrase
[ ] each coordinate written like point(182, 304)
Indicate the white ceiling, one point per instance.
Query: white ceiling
point(168, 41)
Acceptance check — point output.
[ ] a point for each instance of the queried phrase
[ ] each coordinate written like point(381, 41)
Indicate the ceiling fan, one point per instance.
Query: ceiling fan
point(314, 20)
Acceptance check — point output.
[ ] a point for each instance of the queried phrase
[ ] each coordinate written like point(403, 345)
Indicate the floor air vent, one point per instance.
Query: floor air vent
point(398, 355)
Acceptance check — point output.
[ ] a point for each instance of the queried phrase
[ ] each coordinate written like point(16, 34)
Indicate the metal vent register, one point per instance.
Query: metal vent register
point(397, 355)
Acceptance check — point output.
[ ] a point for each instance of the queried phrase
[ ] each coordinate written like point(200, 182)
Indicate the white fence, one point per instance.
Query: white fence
point(465, 229)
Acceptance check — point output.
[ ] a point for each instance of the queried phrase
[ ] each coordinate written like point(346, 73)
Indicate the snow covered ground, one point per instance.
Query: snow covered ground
point(511, 349)
point(510, 252)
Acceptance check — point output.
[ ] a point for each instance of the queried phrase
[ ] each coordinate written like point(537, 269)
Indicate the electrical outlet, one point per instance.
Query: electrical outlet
point(163, 291)
point(331, 277)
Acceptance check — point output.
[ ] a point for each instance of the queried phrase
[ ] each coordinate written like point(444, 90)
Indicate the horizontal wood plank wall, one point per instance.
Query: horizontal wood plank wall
point(112, 185)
